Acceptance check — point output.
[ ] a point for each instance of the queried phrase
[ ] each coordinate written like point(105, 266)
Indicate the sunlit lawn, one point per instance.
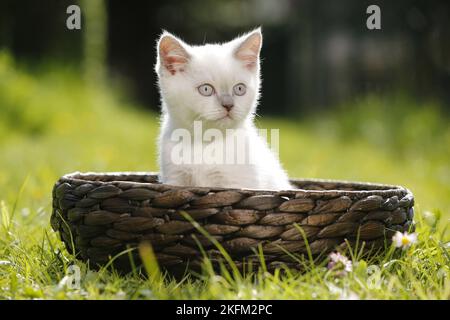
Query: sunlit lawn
point(51, 124)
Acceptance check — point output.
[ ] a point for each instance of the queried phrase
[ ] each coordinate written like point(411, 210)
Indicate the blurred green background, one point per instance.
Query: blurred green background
point(350, 103)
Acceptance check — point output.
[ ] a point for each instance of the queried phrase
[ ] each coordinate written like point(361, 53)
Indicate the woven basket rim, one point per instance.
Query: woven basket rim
point(152, 177)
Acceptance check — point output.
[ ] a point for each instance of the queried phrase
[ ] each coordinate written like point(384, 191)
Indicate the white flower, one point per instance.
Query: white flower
point(430, 218)
point(404, 240)
point(337, 260)
point(345, 295)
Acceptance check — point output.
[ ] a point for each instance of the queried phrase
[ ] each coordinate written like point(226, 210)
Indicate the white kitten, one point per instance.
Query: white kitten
point(217, 84)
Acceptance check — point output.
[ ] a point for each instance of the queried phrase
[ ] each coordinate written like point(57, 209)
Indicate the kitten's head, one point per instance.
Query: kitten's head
point(215, 83)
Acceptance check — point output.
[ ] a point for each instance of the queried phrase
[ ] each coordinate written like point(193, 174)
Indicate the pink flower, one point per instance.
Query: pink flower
point(339, 262)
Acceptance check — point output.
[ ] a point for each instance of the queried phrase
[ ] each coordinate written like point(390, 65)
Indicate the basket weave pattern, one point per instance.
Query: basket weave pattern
point(104, 214)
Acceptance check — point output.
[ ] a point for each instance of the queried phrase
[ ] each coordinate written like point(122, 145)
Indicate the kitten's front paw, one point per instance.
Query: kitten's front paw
point(175, 182)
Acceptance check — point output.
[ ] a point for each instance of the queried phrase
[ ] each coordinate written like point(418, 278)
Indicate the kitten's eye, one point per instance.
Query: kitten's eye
point(239, 89)
point(206, 90)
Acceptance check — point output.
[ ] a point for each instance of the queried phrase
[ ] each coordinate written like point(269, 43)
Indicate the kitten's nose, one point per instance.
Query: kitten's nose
point(227, 106)
point(226, 101)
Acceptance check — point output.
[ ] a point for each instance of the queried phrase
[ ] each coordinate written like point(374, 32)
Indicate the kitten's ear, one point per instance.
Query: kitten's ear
point(249, 47)
point(172, 53)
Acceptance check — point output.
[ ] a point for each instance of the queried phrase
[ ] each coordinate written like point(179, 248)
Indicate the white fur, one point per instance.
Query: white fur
point(182, 104)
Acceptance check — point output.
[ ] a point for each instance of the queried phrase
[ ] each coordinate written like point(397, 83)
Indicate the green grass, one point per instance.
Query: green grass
point(51, 124)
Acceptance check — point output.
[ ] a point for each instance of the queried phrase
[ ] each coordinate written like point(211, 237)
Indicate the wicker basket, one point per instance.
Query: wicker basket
point(99, 215)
